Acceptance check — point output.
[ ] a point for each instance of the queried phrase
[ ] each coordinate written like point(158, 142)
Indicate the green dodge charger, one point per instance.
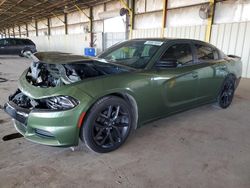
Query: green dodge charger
point(63, 97)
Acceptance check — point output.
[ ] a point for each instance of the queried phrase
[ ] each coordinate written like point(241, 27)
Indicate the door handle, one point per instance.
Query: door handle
point(194, 74)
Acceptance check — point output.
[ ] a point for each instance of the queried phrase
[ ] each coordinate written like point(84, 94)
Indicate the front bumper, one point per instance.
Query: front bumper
point(54, 128)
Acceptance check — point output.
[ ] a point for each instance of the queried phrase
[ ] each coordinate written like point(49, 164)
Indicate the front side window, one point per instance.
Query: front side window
point(206, 53)
point(177, 55)
point(134, 54)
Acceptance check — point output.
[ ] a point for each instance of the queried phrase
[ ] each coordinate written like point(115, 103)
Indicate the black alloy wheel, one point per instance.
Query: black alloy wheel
point(108, 124)
point(227, 92)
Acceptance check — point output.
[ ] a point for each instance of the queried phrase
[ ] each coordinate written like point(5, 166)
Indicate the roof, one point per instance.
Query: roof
point(15, 38)
point(155, 39)
point(19, 12)
point(163, 39)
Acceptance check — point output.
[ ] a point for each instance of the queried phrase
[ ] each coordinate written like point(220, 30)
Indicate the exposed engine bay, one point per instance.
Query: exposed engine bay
point(66, 69)
point(52, 75)
point(55, 74)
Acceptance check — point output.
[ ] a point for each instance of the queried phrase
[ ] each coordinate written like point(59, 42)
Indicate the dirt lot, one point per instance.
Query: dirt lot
point(203, 147)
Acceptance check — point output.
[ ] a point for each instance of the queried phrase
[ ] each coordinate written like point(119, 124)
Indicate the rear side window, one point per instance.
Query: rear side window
point(19, 42)
point(206, 53)
point(27, 42)
point(12, 41)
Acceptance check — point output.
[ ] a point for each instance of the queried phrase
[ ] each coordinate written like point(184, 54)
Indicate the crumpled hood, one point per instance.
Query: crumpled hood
point(54, 69)
point(40, 93)
point(60, 58)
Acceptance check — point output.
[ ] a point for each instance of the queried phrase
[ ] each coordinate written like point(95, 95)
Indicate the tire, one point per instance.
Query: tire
point(107, 124)
point(226, 95)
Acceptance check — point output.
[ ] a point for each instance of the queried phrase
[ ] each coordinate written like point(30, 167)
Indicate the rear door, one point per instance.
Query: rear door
point(208, 60)
point(19, 46)
point(15, 46)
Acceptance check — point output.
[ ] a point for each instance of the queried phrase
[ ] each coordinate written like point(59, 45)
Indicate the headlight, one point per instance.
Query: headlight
point(61, 102)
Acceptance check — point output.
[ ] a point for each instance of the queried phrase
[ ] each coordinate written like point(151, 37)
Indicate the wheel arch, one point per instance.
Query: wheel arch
point(226, 78)
point(132, 102)
point(230, 74)
point(125, 96)
point(223, 81)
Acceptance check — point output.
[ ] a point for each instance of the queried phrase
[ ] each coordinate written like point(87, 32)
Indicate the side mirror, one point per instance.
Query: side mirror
point(167, 63)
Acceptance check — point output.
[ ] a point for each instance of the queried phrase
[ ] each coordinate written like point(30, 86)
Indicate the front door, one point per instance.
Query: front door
point(176, 79)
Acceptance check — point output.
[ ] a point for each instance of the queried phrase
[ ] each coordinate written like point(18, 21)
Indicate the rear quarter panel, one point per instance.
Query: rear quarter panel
point(234, 66)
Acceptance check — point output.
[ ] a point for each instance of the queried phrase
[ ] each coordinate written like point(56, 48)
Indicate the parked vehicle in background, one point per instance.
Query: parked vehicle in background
point(16, 46)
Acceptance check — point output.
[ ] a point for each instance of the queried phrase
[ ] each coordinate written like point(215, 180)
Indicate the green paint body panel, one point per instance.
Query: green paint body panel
point(157, 92)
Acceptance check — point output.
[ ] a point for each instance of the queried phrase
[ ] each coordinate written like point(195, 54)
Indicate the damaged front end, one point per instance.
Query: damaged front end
point(50, 120)
point(46, 107)
point(49, 71)
point(20, 105)
point(52, 75)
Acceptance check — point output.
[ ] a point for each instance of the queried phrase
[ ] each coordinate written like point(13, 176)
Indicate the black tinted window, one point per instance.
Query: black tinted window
point(179, 53)
point(19, 42)
point(2, 42)
point(12, 41)
point(206, 53)
point(27, 42)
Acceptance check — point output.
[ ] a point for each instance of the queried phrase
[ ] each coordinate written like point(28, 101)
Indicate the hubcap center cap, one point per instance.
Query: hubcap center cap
point(110, 123)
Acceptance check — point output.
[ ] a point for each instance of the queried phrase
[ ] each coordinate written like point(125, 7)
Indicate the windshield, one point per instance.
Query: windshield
point(135, 54)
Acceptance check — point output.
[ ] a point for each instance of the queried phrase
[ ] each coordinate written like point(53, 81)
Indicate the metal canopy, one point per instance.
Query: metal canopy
point(18, 12)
